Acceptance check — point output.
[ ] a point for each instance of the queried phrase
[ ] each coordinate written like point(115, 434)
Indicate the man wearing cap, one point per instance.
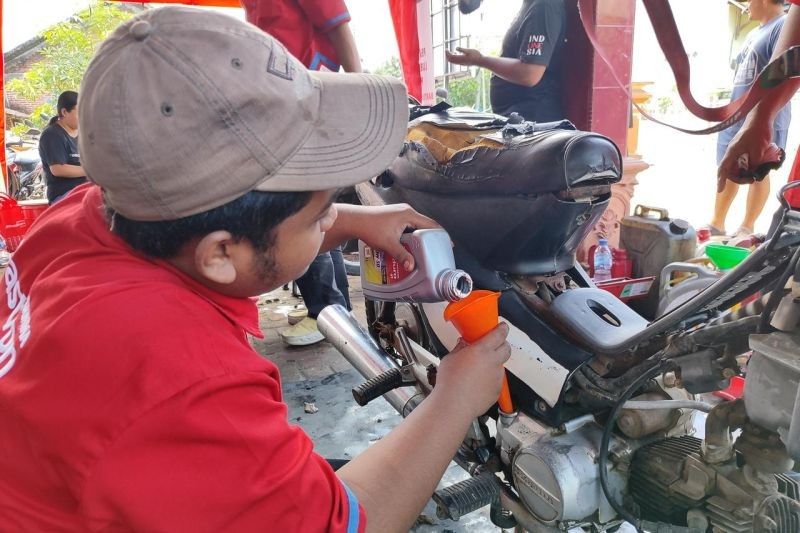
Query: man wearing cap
point(318, 33)
point(130, 397)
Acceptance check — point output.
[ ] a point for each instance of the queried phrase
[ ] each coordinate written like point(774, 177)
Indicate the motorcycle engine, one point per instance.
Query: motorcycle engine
point(555, 470)
point(741, 485)
point(672, 483)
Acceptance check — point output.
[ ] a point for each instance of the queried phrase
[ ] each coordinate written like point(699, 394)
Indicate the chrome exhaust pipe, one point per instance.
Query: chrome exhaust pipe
point(345, 333)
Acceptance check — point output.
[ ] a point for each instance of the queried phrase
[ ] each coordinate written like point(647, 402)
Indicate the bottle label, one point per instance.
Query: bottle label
point(381, 268)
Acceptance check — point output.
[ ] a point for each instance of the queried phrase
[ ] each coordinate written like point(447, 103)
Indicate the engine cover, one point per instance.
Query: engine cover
point(556, 473)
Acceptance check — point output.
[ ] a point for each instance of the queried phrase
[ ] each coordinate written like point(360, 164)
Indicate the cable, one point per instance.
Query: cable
point(604, 443)
point(667, 404)
point(777, 293)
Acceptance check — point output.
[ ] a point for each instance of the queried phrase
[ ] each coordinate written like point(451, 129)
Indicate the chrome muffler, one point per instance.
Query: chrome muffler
point(351, 340)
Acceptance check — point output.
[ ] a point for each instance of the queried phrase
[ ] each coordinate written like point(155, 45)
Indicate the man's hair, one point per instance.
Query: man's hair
point(253, 216)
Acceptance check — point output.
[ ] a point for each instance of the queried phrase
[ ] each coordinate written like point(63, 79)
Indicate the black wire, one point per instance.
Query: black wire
point(604, 443)
point(777, 293)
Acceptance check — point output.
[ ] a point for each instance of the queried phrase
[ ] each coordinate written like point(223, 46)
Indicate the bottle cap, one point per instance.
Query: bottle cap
point(679, 227)
point(603, 242)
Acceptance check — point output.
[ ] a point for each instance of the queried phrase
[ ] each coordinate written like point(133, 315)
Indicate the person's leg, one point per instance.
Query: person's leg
point(757, 196)
point(724, 199)
point(340, 274)
point(318, 290)
point(311, 289)
point(722, 204)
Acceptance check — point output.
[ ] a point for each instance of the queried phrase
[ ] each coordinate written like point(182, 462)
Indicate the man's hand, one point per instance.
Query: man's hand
point(747, 150)
point(469, 57)
point(475, 368)
point(390, 221)
point(380, 227)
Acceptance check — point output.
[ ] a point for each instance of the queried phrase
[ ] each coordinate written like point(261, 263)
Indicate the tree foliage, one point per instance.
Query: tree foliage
point(391, 68)
point(470, 91)
point(68, 48)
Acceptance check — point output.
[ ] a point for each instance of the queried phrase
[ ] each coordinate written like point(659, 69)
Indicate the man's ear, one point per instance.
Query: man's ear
point(212, 258)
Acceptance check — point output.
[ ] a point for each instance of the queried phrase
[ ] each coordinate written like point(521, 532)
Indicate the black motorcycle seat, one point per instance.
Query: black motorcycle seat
point(539, 161)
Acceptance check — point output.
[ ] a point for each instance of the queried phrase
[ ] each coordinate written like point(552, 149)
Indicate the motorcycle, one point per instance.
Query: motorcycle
point(602, 429)
point(31, 185)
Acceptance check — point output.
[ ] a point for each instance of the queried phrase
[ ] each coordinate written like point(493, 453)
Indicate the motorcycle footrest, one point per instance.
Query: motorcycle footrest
point(467, 496)
point(378, 386)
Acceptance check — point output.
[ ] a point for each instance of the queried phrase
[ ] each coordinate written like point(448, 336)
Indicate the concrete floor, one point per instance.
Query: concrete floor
point(341, 429)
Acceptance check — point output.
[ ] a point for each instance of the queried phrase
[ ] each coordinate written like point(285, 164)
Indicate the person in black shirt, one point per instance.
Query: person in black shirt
point(58, 148)
point(527, 76)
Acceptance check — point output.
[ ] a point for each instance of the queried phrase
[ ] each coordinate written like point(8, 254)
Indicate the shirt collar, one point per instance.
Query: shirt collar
point(241, 311)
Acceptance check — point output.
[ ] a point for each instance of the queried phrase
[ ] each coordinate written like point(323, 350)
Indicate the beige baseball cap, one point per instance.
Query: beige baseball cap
point(183, 110)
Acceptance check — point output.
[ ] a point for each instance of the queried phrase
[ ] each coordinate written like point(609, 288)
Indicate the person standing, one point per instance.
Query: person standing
point(526, 78)
point(58, 149)
point(318, 33)
point(754, 56)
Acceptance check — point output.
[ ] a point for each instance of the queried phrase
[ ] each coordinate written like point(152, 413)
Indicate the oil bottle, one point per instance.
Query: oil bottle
point(434, 278)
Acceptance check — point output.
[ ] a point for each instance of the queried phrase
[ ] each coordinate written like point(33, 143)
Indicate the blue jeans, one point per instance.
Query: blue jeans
point(324, 283)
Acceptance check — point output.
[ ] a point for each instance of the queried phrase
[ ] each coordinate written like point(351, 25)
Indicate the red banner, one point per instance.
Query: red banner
point(404, 18)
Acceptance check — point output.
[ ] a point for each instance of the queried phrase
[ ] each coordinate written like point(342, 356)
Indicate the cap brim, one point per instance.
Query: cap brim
point(361, 125)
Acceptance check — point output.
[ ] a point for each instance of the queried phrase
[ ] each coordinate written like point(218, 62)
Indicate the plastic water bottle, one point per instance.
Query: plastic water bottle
point(602, 261)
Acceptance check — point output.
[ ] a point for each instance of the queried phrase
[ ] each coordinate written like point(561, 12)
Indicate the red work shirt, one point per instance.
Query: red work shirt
point(301, 25)
point(131, 400)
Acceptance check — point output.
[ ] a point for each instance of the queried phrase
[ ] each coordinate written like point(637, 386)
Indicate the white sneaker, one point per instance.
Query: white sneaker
point(304, 333)
point(296, 316)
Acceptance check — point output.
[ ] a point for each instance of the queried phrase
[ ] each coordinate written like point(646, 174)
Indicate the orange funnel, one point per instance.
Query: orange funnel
point(473, 317)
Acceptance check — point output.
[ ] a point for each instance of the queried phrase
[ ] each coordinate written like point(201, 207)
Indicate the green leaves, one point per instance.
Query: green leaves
point(68, 48)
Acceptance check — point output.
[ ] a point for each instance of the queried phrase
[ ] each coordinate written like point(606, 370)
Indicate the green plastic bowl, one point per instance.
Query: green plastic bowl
point(725, 257)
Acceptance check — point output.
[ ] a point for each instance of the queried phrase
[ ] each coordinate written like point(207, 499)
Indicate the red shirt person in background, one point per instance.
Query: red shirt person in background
point(318, 33)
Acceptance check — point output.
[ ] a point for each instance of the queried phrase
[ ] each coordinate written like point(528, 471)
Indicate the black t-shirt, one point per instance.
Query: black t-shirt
point(537, 37)
point(56, 147)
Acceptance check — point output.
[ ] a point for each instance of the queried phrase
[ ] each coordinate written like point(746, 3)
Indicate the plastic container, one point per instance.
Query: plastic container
point(621, 265)
point(32, 209)
point(653, 240)
point(434, 278)
point(473, 317)
point(726, 257)
point(627, 289)
point(13, 225)
point(603, 261)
